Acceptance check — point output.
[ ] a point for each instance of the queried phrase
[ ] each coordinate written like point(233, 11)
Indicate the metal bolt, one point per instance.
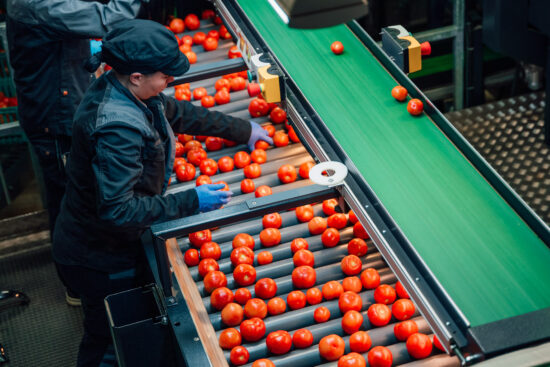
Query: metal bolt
point(253, 203)
point(196, 339)
point(448, 323)
point(417, 279)
point(171, 300)
point(383, 231)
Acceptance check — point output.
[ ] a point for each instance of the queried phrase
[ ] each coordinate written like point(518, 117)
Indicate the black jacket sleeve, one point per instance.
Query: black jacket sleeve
point(185, 117)
point(117, 168)
point(74, 18)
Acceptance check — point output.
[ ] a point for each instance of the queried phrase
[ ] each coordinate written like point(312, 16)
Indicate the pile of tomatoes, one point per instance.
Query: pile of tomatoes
point(247, 302)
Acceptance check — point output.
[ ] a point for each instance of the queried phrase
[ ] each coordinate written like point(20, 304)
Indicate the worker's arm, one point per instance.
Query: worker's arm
point(184, 117)
point(117, 168)
point(85, 19)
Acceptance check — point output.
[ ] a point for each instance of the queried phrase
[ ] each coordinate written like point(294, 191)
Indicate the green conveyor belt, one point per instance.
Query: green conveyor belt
point(485, 256)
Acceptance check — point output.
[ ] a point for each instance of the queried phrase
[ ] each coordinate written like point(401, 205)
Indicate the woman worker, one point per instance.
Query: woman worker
point(119, 167)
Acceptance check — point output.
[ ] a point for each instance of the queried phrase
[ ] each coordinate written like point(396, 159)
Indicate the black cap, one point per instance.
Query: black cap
point(143, 46)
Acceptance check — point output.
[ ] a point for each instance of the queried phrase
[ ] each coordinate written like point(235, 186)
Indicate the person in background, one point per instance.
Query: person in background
point(49, 41)
point(119, 168)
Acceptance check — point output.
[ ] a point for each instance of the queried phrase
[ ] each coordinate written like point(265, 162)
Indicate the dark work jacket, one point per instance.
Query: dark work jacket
point(49, 41)
point(118, 168)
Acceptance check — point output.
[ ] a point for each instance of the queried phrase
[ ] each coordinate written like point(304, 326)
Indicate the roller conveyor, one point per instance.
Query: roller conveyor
point(188, 292)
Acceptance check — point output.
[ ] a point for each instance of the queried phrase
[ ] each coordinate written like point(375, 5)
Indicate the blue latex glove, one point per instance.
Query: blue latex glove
point(257, 133)
point(95, 46)
point(210, 198)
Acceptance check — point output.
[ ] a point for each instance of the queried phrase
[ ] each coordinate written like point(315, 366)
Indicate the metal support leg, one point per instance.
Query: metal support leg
point(458, 53)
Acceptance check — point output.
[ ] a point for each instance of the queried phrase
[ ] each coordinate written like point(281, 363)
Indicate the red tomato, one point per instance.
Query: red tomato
point(352, 360)
point(191, 56)
point(196, 155)
point(185, 48)
point(415, 107)
point(224, 33)
point(258, 156)
point(380, 356)
point(242, 255)
point(210, 250)
point(192, 144)
point(278, 342)
point(404, 329)
point(239, 355)
point(199, 238)
point(178, 161)
point(232, 314)
point(263, 190)
point(298, 244)
point(255, 307)
point(331, 347)
point(379, 314)
point(321, 314)
point(199, 92)
point(218, 20)
point(304, 169)
point(359, 231)
point(213, 143)
point(303, 257)
point(304, 277)
point(265, 288)
point(329, 206)
point(213, 280)
point(330, 237)
point(234, 53)
point(226, 186)
point(182, 94)
point(351, 265)
point(179, 149)
point(419, 345)
point(264, 258)
point(207, 14)
point(192, 22)
point(244, 274)
point(260, 144)
point(399, 93)
point(370, 278)
point(337, 220)
point(258, 107)
point(272, 220)
point(191, 257)
point(237, 84)
point(203, 180)
point(293, 136)
point(220, 297)
point(226, 164)
point(230, 338)
point(247, 186)
point(242, 159)
point(243, 239)
point(352, 284)
point(263, 363)
point(208, 101)
point(349, 301)
point(253, 170)
point(222, 84)
point(207, 265)
point(270, 237)
point(385, 294)
point(360, 342)
point(252, 330)
point(177, 25)
point(403, 309)
point(208, 167)
point(187, 40)
point(277, 115)
point(276, 306)
point(296, 300)
point(401, 292)
point(185, 172)
point(270, 129)
point(352, 217)
point(317, 225)
point(280, 139)
point(314, 296)
point(337, 47)
point(332, 290)
point(357, 247)
point(229, 143)
point(304, 213)
point(242, 295)
point(302, 338)
point(214, 34)
point(437, 343)
point(287, 173)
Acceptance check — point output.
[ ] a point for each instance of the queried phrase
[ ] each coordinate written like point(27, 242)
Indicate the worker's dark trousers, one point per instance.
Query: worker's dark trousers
point(93, 286)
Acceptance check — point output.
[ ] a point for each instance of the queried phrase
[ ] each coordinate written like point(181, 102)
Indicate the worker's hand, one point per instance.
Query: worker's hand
point(210, 196)
point(258, 133)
